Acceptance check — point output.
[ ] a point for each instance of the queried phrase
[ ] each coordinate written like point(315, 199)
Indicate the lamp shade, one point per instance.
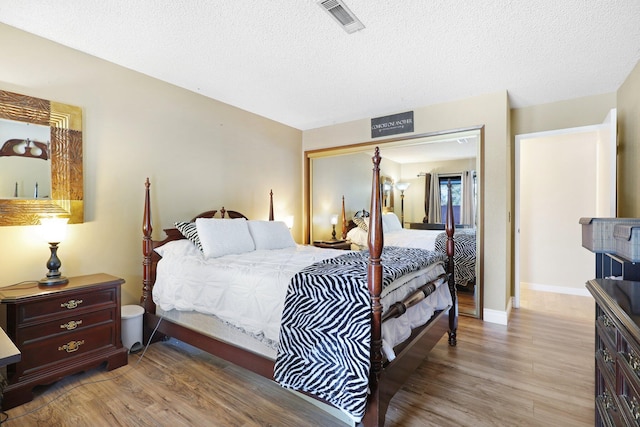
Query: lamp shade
point(54, 229)
point(289, 221)
point(334, 219)
point(403, 185)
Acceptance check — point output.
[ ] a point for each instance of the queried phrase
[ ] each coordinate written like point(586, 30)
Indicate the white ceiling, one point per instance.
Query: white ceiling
point(289, 61)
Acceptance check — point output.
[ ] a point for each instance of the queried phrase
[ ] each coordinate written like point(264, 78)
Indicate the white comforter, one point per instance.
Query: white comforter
point(249, 290)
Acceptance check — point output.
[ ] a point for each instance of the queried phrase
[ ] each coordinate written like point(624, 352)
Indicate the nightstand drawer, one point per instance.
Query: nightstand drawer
point(75, 322)
point(65, 348)
point(66, 304)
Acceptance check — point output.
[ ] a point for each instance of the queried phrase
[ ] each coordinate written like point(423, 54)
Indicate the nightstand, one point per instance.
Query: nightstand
point(61, 330)
point(333, 244)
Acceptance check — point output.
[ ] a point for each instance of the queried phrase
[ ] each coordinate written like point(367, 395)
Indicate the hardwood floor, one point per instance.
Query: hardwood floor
point(466, 302)
point(538, 371)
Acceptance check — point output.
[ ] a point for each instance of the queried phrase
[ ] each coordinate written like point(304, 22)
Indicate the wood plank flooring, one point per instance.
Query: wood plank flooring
point(538, 371)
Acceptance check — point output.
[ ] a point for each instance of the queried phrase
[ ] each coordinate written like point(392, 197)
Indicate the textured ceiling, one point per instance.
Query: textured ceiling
point(289, 61)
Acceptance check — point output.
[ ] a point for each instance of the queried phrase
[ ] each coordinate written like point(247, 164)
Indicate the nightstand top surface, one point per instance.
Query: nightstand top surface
point(20, 291)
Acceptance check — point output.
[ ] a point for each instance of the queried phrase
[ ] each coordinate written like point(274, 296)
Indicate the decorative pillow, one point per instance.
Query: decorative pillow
point(221, 237)
point(177, 249)
point(189, 231)
point(270, 234)
point(362, 223)
point(390, 222)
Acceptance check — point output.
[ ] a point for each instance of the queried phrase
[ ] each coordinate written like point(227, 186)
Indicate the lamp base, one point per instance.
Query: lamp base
point(53, 281)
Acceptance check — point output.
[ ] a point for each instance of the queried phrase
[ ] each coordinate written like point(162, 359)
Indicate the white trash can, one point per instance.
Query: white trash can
point(131, 329)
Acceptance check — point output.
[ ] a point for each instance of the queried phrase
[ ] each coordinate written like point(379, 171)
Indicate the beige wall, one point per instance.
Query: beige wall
point(552, 199)
point(629, 145)
point(347, 175)
point(492, 112)
point(200, 154)
point(590, 110)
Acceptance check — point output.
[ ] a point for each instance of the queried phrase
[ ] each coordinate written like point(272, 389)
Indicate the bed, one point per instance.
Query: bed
point(368, 352)
point(396, 235)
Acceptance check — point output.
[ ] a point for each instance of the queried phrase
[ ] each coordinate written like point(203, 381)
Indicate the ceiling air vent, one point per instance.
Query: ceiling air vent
point(341, 13)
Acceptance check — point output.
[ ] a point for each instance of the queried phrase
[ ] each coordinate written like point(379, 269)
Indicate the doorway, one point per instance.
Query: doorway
point(560, 176)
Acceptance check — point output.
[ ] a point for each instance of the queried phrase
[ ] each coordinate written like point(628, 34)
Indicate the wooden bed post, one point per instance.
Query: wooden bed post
point(375, 413)
point(344, 221)
point(271, 205)
point(147, 251)
point(450, 229)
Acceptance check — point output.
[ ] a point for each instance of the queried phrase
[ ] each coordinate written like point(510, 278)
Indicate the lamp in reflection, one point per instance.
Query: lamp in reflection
point(54, 230)
point(402, 186)
point(334, 221)
point(289, 221)
point(386, 190)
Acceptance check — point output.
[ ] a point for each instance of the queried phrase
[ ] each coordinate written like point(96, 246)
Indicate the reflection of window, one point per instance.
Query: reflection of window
point(456, 195)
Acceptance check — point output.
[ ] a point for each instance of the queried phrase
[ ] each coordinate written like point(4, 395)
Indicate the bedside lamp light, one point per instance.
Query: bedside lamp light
point(334, 221)
point(402, 186)
point(54, 231)
point(289, 221)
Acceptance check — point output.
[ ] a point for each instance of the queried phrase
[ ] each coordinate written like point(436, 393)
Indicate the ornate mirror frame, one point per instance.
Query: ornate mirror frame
point(65, 122)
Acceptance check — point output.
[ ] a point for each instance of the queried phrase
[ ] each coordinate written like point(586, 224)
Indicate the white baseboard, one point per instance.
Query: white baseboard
point(497, 316)
point(555, 289)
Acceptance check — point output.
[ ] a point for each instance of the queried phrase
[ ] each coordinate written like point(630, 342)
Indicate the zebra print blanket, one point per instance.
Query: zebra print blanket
point(325, 334)
point(464, 256)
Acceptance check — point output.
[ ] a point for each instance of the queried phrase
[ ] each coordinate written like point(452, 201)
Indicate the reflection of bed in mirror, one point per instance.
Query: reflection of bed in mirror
point(434, 239)
point(336, 172)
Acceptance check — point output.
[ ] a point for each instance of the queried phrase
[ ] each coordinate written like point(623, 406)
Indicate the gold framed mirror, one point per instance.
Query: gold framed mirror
point(65, 124)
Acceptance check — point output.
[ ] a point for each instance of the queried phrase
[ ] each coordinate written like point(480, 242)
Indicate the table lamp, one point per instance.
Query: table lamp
point(54, 231)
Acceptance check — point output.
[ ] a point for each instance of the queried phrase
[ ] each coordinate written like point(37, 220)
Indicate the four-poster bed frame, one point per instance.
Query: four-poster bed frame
point(386, 377)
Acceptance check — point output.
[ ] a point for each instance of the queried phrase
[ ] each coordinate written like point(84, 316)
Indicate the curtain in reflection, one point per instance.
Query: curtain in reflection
point(427, 190)
point(435, 215)
point(468, 199)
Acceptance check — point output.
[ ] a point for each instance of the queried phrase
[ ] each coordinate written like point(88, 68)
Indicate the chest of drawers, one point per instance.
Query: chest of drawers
point(617, 351)
point(61, 330)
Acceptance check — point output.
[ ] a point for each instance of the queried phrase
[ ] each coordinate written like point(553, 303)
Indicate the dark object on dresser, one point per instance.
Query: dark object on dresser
point(617, 351)
point(61, 330)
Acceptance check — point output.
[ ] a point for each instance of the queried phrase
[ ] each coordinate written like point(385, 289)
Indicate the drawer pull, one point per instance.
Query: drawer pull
point(606, 321)
point(71, 325)
point(71, 346)
point(72, 303)
point(634, 361)
point(635, 409)
point(607, 400)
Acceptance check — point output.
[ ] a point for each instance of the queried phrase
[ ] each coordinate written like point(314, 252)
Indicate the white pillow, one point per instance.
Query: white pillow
point(270, 234)
point(178, 249)
point(221, 237)
point(390, 222)
point(358, 236)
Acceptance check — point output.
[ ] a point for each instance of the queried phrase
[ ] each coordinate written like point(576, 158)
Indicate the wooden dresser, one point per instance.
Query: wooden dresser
point(617, 351)
point(61, 330)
